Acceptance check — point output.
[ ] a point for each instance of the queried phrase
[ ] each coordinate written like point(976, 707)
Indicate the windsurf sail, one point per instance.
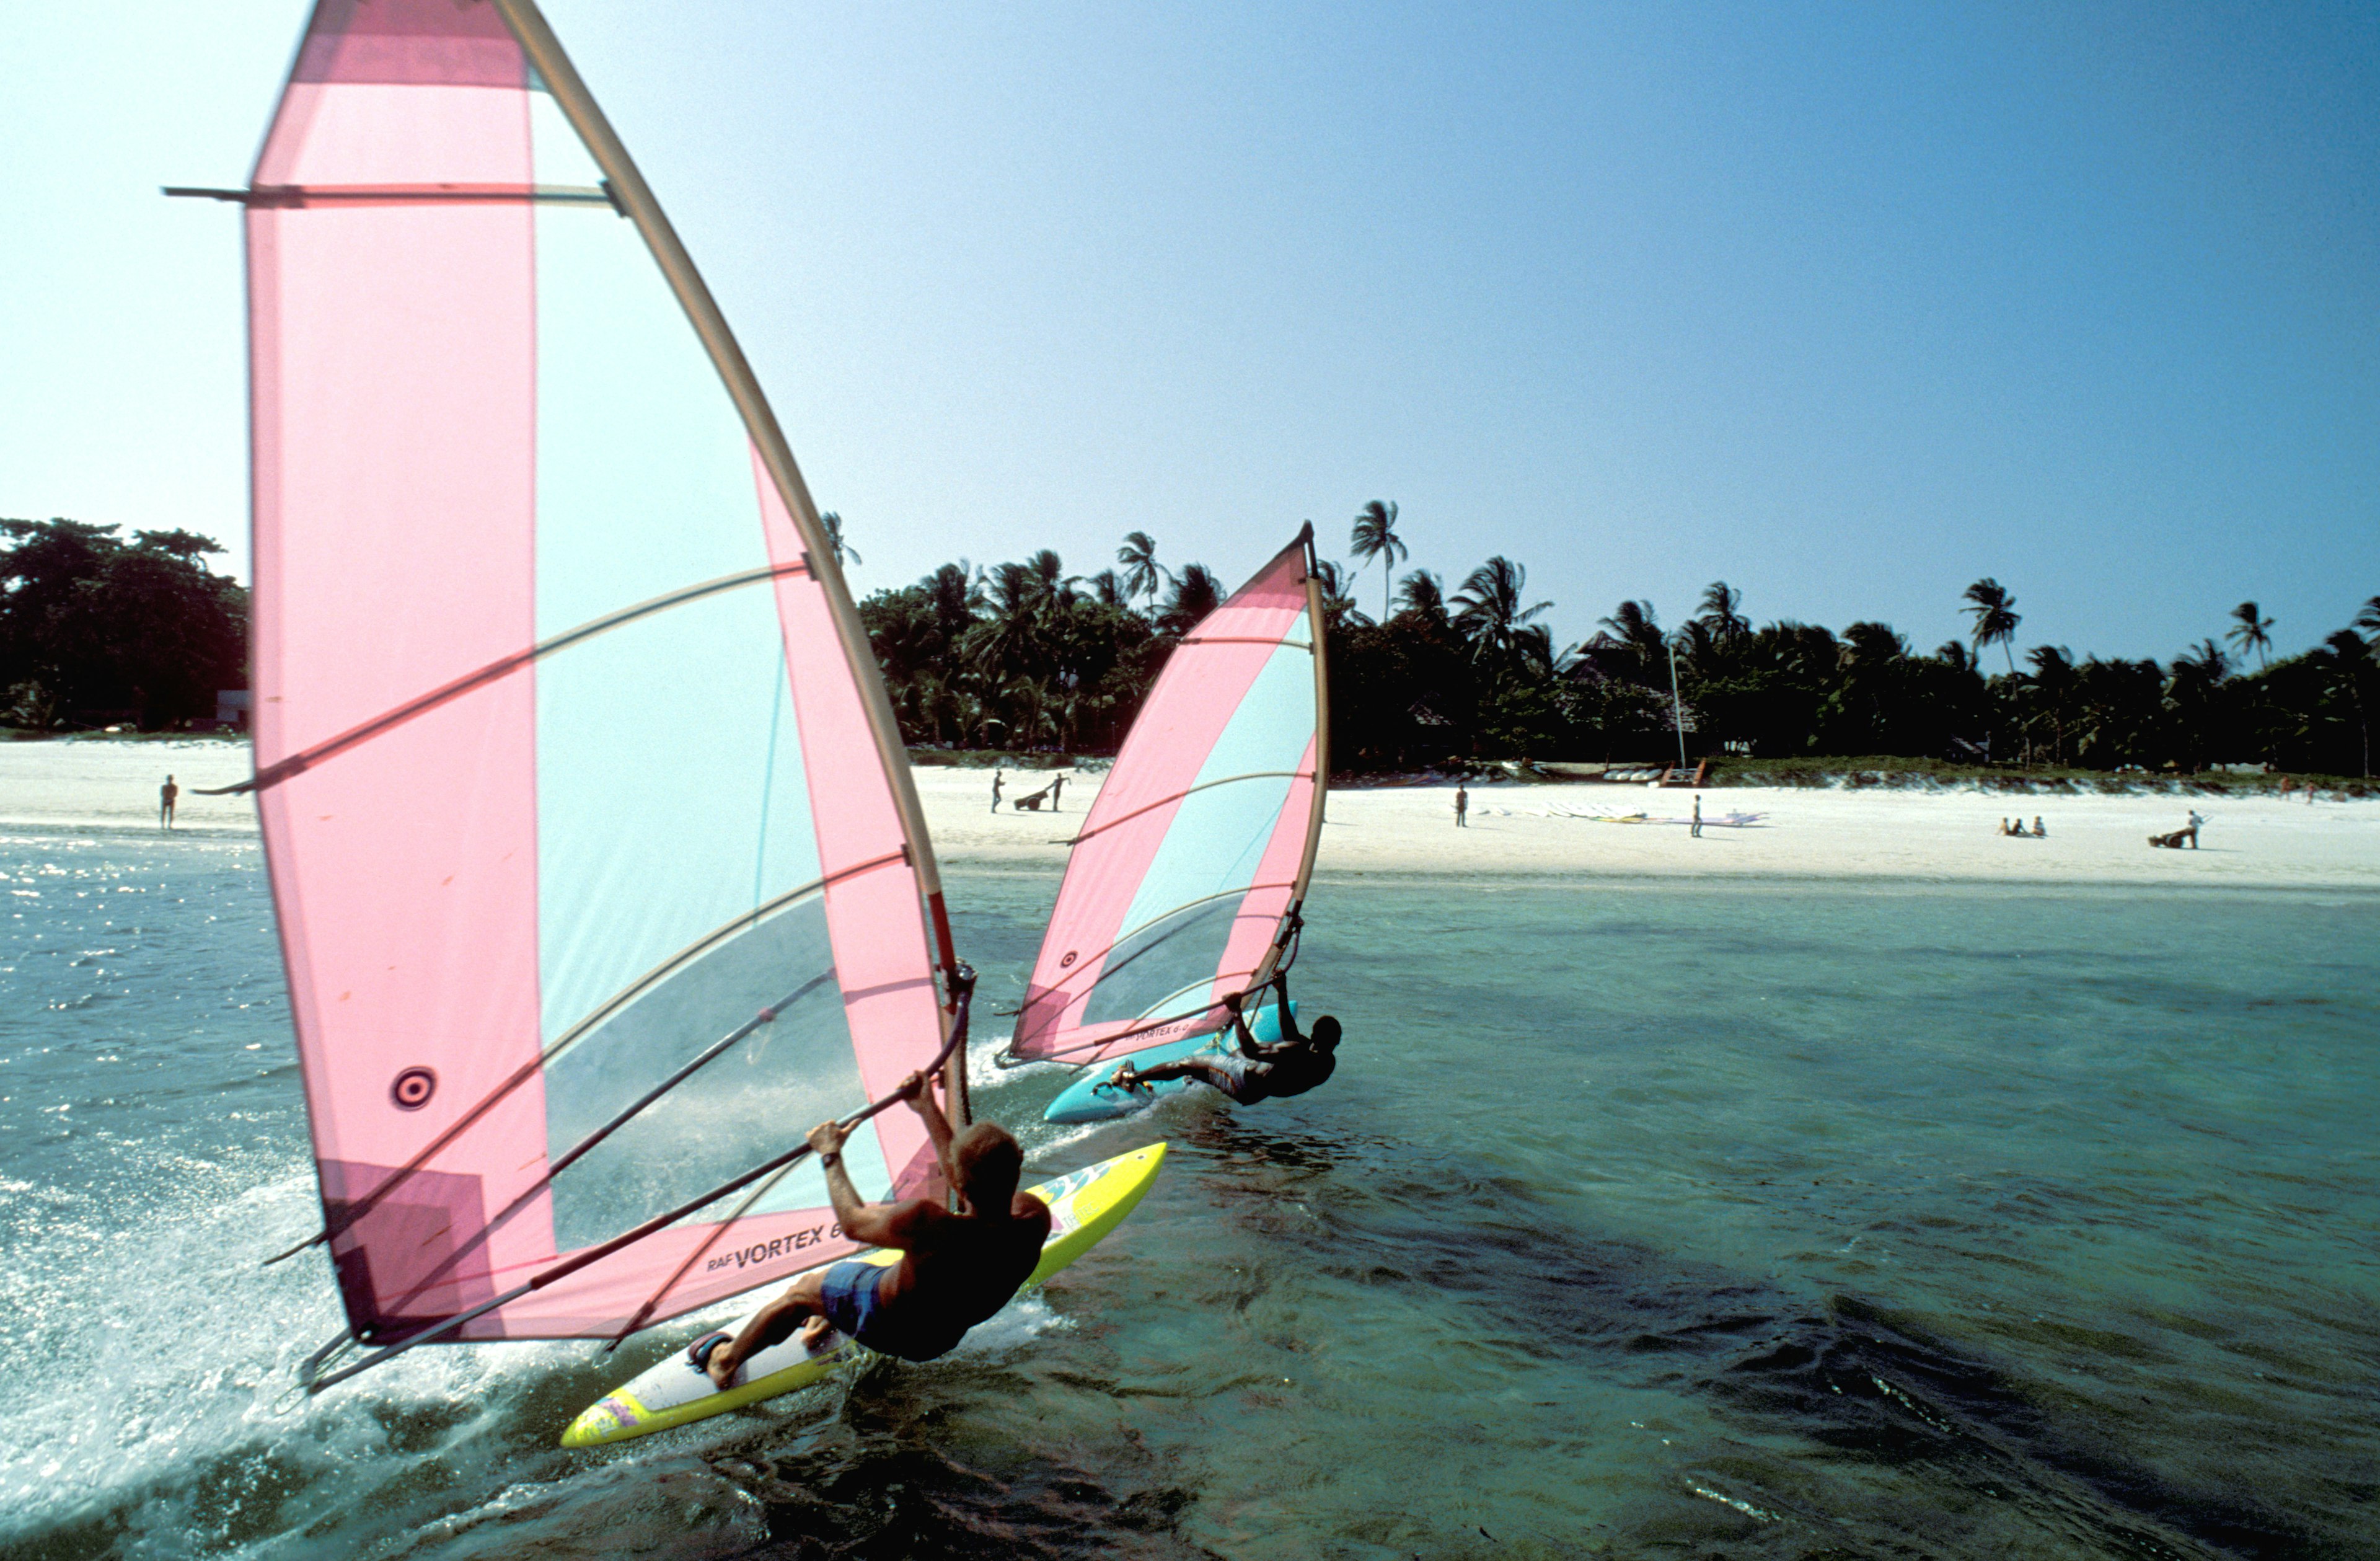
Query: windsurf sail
point(599, 873)
point(1184, 885)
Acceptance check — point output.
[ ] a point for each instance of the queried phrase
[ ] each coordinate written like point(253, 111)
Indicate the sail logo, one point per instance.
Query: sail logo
point(413, 1089)
point(773, 1248)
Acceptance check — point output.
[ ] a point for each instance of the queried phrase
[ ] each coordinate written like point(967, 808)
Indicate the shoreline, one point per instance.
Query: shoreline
point(1554, 833)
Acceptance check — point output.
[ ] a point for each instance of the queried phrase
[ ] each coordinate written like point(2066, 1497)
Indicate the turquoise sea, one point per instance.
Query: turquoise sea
point(1788, 1219)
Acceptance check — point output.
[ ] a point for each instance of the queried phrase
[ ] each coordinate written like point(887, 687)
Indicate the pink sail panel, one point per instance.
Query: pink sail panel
point(1201, 840)
point(602, 895)
point(880, 956)
point(384, 481)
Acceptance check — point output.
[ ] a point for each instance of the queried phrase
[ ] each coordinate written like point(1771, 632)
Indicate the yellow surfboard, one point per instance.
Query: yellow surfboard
point(1084, 1206)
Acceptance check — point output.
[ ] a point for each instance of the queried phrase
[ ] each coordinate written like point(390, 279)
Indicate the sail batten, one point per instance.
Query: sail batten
point(1196, 853)
point(553, 805)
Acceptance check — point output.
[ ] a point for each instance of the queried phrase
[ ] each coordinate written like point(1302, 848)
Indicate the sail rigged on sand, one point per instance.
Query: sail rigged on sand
point(597, 868)
point(1183, 885)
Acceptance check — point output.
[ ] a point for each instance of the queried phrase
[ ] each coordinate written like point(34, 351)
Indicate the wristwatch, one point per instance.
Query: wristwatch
point(834, 1158)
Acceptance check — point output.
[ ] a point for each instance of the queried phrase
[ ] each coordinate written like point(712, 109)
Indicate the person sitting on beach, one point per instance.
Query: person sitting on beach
point(957, 1268)
point(1291, 1065)
point(2040, 831)
point(2004, 828)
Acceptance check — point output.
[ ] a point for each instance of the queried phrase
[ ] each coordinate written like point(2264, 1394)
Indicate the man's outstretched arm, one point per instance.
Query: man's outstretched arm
point(1290, 1033)
point(920, 1091)
point(1243, 1040)
point(872, 1225)
point(1260, 1051)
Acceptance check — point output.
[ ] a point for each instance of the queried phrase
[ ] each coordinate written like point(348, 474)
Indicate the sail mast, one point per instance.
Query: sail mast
point(1314, 617)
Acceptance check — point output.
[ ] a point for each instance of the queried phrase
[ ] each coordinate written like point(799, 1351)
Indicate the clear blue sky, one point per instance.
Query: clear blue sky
point(1846, 306)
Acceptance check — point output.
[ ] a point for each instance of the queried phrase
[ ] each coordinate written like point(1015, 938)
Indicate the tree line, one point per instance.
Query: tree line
point(1024, 657)
point(95, 629)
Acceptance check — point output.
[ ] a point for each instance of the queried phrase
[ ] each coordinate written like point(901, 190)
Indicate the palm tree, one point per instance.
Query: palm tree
point(1109, 590)
point(1424, 595)
point(1996, 617)
point(2250, 633)
point(2053, 683)
point(1375, 536)
point(1488, 609)
point(2354, 661)
point(1871, 644)
point(1639, 633)
point(2203, 662)
point(1722, 611)
point(843, 552)
point(1195, 593)
point(1142, 573)
point(1053, 584)
point(2367, 618)
point(1338, 599)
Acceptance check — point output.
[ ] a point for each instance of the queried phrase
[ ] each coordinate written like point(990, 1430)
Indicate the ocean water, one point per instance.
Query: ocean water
point(1788, 1220)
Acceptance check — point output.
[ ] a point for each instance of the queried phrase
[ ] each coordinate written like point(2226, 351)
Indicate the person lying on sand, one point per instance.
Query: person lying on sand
point(1291, 1065)
point(959, 1268)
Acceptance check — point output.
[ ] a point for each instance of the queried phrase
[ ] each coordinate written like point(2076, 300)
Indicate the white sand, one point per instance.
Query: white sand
point(1515, 829)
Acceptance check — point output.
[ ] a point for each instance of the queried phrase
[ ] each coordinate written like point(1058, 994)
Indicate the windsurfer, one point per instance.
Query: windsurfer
point(1291, 1065)
point(959, 1268)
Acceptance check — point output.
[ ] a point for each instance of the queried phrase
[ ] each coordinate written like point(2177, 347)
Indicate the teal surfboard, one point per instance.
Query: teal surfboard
point(1092, 1099)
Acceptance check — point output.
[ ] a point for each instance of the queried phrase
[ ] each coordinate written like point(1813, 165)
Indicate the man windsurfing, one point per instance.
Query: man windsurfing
point(958, 1268)
point(1291, 1065)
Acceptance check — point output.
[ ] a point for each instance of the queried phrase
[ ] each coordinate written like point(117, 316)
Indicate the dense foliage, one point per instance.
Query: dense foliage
point(1024, 657)
point(93, 627)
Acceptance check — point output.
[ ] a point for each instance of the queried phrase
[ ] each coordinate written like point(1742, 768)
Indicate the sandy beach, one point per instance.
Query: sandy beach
point(1553, 832)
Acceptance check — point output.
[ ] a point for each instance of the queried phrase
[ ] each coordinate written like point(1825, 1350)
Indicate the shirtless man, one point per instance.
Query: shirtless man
point(960, 1267)
point(1291, 1065)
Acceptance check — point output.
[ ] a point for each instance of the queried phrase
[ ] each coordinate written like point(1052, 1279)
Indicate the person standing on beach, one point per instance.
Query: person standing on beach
point(995, 789)
point(1697, 830)
point(1461, 806)
point(2195, 821)
point(1055, 787)
point(166, 795)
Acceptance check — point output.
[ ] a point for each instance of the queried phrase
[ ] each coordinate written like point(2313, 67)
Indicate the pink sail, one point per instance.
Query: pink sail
point(595, 885)
point(1202, 840)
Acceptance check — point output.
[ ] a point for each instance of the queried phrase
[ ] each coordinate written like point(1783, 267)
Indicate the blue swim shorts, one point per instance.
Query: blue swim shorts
point(849, 1294)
